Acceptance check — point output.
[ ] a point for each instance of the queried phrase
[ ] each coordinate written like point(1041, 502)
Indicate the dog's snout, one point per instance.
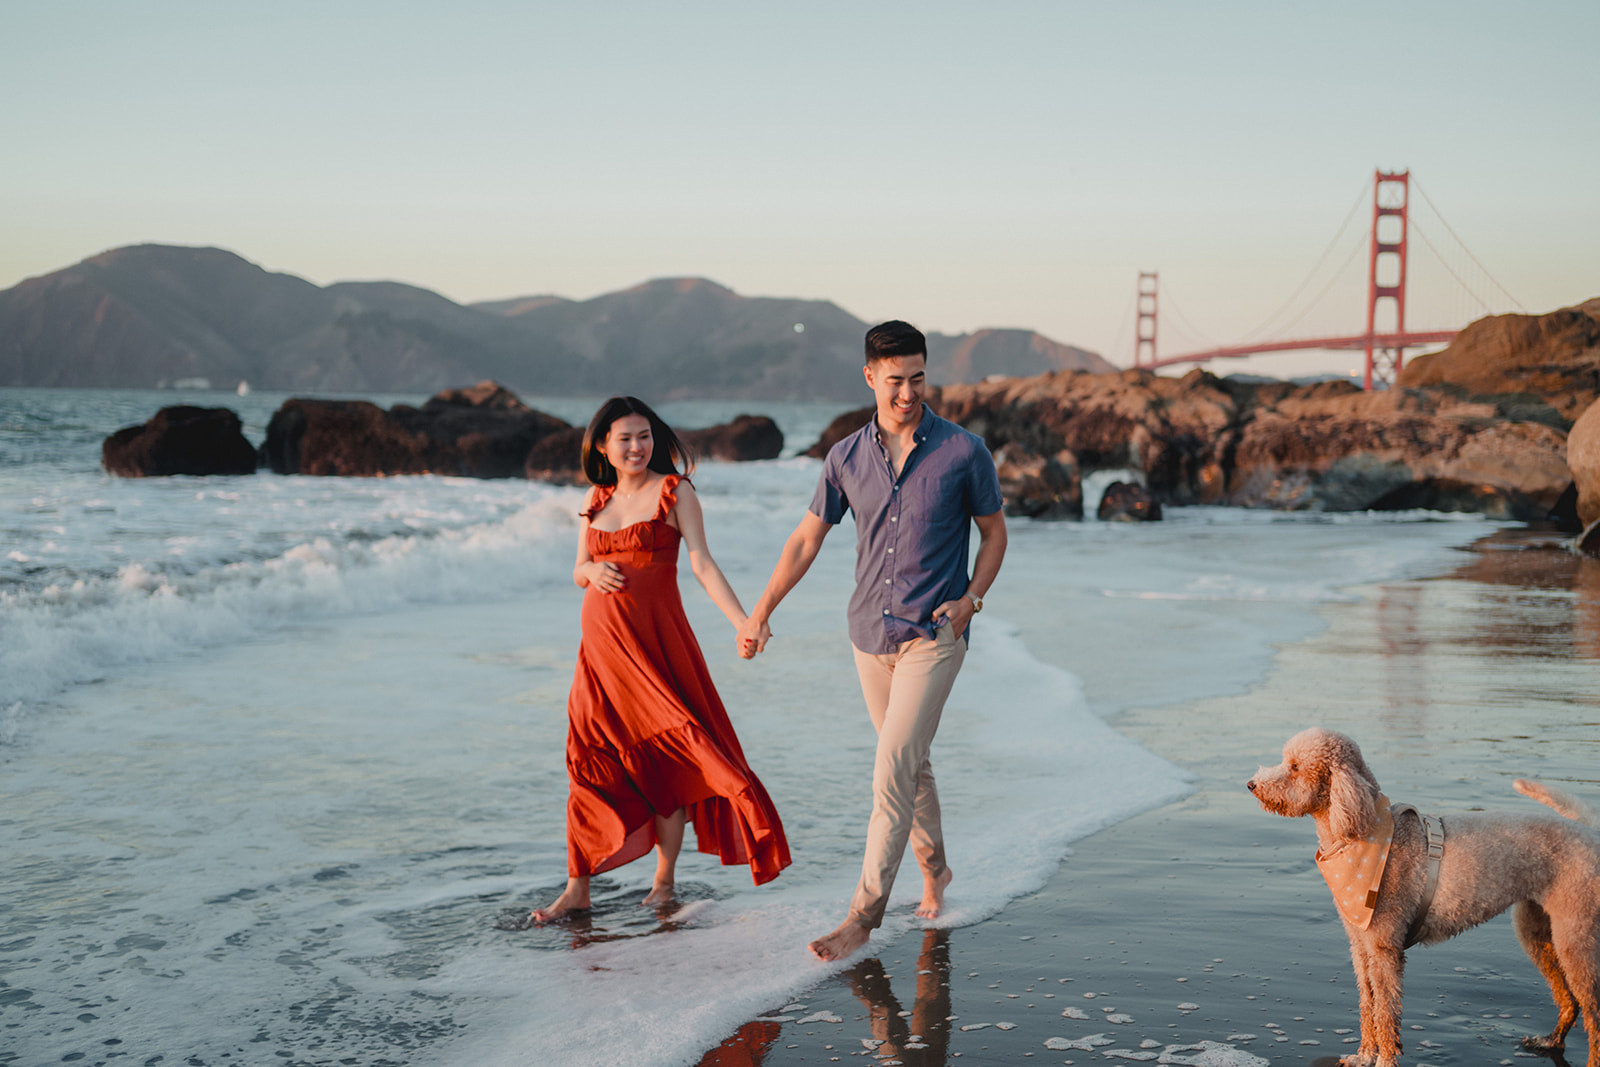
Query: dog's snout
point(1251, 785)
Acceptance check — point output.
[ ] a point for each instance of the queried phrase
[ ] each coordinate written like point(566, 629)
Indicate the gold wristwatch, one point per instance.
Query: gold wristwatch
point(977, 602)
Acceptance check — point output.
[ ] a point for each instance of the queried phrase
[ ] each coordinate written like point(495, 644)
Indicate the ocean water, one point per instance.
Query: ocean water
point(281, 758)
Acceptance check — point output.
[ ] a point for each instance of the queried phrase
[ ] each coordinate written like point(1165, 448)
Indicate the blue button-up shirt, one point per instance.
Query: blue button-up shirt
point(913, 533)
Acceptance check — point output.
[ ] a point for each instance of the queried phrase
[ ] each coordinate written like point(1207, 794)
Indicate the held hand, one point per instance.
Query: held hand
point(606, 577)
point(753, 638)
point(956, 613)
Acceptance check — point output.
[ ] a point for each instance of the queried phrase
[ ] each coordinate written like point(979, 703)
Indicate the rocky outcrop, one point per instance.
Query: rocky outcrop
point(483, 432)
point(1583, 459)
point(1039, 487)
point(841, 427)
point(1128, 502)
point(557, 458)
point(1547, 367)
point(747, 437)
point(1201, 439)
point(180, 440)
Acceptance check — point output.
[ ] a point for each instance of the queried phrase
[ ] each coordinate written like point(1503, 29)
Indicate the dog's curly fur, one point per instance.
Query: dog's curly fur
point(1546, 869)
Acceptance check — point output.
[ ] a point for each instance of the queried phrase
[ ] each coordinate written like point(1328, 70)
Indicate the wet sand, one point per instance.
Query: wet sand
point(1206, 921)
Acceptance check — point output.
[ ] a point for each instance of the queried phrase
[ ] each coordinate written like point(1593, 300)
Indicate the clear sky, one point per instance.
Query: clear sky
point(959, 165)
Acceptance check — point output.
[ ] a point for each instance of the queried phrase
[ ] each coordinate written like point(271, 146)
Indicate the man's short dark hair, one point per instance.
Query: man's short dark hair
point(895, 338)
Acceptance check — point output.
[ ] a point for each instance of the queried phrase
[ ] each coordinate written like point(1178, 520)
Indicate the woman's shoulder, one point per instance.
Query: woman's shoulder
point(673, 486)
point(594, 501)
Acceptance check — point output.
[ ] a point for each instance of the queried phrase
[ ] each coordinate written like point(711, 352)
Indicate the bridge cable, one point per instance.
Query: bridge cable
point(1446, 264)
point(1361, 197)
point(1122, 331)
point(1465, 249)
point(1338, 275)
point(1169, 304)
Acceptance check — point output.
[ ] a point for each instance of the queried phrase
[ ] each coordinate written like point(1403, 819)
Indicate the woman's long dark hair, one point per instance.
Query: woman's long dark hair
point(669, 449)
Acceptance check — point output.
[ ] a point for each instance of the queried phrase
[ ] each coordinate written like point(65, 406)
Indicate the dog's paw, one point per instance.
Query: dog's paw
point(1545, 1043)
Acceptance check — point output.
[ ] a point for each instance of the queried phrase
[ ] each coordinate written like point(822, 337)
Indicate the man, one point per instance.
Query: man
point(916, 483)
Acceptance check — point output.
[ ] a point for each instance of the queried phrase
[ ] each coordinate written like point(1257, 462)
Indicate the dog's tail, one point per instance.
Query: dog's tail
point(1564, 803)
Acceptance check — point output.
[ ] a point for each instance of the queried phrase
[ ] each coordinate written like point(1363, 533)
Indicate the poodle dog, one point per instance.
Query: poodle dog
point(1547, 870)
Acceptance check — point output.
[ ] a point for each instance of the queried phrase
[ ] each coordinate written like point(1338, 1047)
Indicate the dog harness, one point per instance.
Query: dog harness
point(1354, 870)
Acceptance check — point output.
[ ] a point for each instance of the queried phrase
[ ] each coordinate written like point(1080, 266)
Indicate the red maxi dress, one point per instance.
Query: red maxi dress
point(647, 733)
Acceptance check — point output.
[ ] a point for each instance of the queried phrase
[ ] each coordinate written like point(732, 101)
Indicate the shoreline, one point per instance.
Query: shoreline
point(1222, 930)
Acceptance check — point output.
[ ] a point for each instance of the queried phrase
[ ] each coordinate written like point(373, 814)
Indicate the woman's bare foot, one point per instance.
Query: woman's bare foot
point(850, 936)
point(932, 905)
point(660, 893)
point(574, 898)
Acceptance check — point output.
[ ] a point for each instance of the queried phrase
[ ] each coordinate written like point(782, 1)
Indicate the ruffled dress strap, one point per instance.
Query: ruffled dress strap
point(669, 496)
point(599, 497)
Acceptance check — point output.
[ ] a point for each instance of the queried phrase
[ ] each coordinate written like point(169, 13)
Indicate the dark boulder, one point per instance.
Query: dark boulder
point(747, 437)
point(1564, 513)
point(483, 432)
point(180, 440)
point(1039, 487)
point(557, 458)
point(841, 427)
point(1128, 502)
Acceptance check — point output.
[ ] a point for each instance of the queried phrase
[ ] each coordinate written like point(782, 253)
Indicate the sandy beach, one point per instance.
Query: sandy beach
point(1206, 920)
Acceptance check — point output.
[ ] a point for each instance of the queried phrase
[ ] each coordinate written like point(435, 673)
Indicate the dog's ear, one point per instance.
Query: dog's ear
point(1352, 799)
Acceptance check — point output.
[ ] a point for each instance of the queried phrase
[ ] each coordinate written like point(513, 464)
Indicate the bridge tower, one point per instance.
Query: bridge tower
point(1391, 194)
point(1145, 332)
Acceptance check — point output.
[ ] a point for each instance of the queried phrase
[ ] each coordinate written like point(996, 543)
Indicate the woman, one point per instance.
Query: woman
point(649, 745)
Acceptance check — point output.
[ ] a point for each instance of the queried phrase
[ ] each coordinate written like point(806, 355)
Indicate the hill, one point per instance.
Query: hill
point(154, 315)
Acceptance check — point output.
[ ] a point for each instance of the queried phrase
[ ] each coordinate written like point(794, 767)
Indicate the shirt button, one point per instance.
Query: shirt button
point(886, 611)
point(891, 551)
point(897, 488)
point(886, 581)
point(894, 518)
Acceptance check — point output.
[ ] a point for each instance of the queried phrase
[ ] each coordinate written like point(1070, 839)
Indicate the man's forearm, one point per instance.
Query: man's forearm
point(798, 553)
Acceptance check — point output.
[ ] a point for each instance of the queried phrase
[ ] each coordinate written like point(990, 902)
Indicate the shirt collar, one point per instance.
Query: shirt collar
point(919, 435)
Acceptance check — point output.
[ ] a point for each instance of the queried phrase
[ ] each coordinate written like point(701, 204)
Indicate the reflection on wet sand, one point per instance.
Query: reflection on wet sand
point(919, 1037)
point(1556, 591)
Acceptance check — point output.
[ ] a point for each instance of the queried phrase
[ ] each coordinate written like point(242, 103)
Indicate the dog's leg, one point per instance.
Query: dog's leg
point(1578, 953)
point(1360, 957)
point(1532, 924)
point(1367, 1051)
point(1380, 1023)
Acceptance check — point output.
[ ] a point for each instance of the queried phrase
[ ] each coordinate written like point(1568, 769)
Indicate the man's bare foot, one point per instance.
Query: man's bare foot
point(659, 894)
point(932, 905)
point(573, 899)
point(850, 936)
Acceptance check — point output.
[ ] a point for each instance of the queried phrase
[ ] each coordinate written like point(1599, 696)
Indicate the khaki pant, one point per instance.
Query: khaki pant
point(905, 692)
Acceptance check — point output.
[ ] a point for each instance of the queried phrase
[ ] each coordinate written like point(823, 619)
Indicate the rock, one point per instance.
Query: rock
point(486, 395)
point(180, 440)
point(557, 458)
point(1201, 439)
point(1564, 513)
point(483, 432)
point(840, 428)
point(747, 437)
point(1547, 361)
point(1583, 458)
point(1128, 502)
point(1039, 487)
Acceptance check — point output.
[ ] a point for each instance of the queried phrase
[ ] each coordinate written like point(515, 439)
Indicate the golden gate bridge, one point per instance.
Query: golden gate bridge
point(1386, 336)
